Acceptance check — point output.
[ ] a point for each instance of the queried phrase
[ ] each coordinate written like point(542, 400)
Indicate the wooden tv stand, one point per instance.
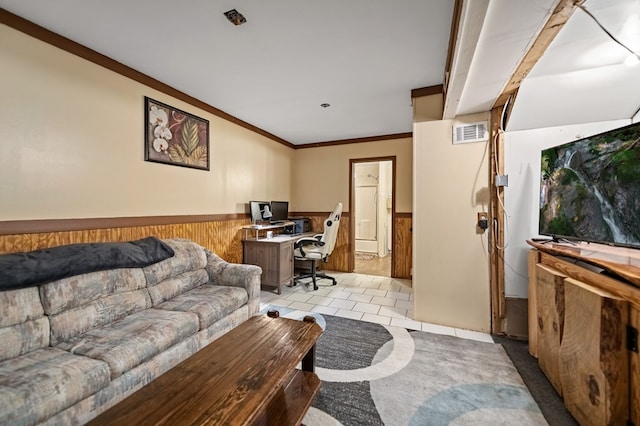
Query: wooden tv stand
point(584, 314)
point(247, 376)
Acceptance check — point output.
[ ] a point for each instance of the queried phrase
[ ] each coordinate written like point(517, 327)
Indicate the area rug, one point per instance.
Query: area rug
point(381, 375)
point(360, 255)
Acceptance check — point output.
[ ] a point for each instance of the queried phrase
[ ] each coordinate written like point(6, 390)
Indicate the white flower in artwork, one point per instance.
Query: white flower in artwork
point(160, 145)
point(162, 132)
point(158, 116)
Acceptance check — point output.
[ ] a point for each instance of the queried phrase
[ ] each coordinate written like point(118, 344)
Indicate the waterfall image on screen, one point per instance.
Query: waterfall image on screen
point(590, 188)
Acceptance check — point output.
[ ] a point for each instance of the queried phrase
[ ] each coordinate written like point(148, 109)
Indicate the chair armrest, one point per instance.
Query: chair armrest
point(224, 273)
point(307, 241)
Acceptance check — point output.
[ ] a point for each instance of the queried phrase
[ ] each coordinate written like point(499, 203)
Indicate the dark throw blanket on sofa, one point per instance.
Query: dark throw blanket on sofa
point(18, 270)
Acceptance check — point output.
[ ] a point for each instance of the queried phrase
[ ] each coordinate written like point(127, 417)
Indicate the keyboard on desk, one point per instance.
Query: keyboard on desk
point(277, 222)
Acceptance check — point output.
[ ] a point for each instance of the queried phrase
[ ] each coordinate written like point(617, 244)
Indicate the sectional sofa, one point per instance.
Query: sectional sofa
point(107, 320)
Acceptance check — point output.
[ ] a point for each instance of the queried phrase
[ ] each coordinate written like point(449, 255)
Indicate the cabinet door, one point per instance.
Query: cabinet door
point(550, 318)
point(286, 262)
point(594, 361)
point(264, 255)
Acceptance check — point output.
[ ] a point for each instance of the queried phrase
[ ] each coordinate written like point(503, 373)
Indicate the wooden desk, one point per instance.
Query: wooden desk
point(248, 376)
point(274, 256)
point(265, 227)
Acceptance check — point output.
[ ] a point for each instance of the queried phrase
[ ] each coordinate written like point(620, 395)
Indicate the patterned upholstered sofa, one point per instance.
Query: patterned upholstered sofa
point(75, 346)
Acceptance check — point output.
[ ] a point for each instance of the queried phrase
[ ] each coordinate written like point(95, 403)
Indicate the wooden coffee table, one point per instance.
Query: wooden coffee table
point(247, 376)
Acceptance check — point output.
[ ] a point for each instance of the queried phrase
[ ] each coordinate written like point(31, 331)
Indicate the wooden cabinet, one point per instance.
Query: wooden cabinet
point(586, 321)
point(550, 322)
point(274, 256)
point(593, 358)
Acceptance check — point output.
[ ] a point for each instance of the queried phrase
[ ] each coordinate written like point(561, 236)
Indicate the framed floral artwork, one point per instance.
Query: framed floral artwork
point(175, 137)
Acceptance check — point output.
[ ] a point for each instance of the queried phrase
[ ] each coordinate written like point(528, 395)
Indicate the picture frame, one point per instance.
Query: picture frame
point(175, 137)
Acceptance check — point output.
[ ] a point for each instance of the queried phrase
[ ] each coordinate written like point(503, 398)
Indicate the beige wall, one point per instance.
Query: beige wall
point(321, 175)
point(72, 146)
point(450, 264)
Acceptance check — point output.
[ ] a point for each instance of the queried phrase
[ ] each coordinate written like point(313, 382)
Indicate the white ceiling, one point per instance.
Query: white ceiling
point(582, 77)
point(361, 56)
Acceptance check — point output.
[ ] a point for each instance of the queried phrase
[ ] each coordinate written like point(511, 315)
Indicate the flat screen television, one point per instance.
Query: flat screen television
point(279, 211)
point(590, 188)
point(260, 211)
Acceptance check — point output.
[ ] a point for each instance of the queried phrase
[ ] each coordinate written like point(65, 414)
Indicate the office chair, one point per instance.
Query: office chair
point(318, 247)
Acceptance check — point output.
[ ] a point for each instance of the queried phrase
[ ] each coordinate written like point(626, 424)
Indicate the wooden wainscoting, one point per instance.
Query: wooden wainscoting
point(402, 248)
point(223, 237)
point(221, 234)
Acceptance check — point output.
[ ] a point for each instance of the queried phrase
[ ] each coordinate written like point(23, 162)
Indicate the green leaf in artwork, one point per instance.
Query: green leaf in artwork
point(189, 135)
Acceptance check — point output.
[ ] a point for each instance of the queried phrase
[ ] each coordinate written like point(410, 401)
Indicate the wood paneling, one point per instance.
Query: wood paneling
point(402, 246)
point(222, 237)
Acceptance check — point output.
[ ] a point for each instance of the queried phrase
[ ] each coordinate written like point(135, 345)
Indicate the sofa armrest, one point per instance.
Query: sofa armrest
point(222, 272)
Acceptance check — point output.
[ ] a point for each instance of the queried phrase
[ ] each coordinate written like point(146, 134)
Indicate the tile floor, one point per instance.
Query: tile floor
point(362, 297)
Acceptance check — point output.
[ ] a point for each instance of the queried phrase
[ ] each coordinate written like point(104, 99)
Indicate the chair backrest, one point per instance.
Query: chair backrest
point(330, 234)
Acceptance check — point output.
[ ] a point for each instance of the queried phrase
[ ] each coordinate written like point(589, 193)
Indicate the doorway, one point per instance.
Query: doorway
point(372, 207)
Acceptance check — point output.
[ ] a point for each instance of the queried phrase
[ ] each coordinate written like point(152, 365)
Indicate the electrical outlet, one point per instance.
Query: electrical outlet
point(483, 220)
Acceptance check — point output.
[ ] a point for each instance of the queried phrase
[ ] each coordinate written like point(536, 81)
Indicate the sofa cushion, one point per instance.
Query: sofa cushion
point(19, 270)
point(19, 306)
point(101, 312)
point(127, 343)
point(80, 290)
point(188, 256)
point(209, 302)
point(171, 287)
point(35, 386)
point(22, 338)
point(23, 326)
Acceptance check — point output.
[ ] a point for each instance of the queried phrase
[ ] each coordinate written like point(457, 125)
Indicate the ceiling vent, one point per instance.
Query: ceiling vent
point(470, 132)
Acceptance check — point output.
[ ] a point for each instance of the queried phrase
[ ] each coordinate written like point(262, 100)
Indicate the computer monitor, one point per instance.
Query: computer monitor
point(279, 211)
point(260, 211)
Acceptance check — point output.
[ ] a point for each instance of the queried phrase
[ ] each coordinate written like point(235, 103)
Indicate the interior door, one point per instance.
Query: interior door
point(366, 212)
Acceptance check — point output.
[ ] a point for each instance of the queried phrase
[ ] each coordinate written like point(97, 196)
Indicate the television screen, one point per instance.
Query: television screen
point(279, 210)
point(590, 188)
point(260, 211)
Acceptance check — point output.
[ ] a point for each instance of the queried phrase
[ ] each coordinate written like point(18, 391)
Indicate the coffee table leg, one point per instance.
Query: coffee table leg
point(309, 360)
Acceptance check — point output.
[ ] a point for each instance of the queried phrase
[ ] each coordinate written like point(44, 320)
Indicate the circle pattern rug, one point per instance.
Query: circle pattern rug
point(381, 375)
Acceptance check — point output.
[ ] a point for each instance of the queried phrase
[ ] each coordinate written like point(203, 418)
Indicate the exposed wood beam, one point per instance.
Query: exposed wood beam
point(500, 113)
point(496, 217)
point(550, 30)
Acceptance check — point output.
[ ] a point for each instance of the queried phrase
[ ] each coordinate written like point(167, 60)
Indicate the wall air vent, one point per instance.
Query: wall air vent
point(470, 132)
